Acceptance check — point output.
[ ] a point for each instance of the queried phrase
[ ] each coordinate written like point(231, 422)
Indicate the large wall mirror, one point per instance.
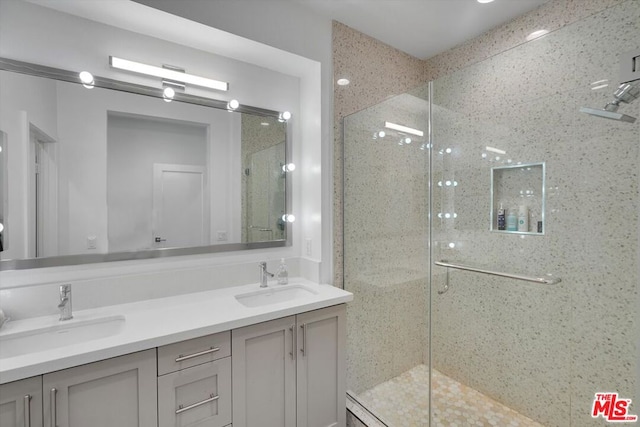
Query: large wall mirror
point(111, 171)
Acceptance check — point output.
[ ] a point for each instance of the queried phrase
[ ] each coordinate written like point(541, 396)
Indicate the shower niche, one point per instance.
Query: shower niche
point(518, 199)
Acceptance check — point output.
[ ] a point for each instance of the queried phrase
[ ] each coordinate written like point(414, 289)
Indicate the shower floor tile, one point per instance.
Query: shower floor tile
point(403, 402)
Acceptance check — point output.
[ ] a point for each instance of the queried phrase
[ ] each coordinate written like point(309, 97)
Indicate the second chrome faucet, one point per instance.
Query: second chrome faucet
point(64, 305)
point(264, 274)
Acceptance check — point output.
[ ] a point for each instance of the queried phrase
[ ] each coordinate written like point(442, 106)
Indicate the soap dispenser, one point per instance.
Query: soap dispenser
point(283, 273)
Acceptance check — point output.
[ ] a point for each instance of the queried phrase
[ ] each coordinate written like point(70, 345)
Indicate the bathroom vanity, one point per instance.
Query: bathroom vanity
point(240, 356)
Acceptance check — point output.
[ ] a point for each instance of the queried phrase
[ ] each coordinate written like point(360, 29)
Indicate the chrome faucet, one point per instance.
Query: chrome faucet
point(65, 302)
point(264, 274)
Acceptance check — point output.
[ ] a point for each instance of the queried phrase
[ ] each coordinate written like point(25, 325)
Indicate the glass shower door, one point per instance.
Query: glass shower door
point(385, 253)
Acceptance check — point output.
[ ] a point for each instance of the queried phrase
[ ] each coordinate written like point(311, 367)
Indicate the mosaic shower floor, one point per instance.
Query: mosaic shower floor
point(403, 402)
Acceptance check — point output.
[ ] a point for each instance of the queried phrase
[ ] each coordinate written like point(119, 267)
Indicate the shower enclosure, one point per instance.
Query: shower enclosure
point(434, 336)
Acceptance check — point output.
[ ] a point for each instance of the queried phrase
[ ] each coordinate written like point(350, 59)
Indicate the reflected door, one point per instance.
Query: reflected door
point(179, 206)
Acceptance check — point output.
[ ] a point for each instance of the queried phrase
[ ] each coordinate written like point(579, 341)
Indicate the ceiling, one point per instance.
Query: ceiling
point(422, 28)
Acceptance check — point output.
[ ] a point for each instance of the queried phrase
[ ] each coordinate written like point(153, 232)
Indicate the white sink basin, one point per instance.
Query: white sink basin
point(65, 333)
point(274, 295)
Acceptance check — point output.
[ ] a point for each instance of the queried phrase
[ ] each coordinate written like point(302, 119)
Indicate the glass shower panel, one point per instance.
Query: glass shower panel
point(386, 256)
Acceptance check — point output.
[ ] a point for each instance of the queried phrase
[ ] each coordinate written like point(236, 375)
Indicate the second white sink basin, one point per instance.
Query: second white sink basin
point(274, 295)
point(59, 335)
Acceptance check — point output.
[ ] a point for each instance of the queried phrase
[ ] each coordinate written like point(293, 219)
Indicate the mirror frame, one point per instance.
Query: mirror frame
point(106, 83)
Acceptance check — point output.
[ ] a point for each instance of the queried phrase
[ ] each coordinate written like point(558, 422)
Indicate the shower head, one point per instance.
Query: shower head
point(625, 93)
point(608, 114)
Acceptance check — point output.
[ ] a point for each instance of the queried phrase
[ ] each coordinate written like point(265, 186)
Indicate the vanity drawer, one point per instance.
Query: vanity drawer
point(200, 396)
point(185, 354)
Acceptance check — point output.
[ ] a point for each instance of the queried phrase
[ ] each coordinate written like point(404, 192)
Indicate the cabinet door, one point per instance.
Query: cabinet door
point(264, 374)
point(196, 397)
point(21, 403)
point(115, 392)
point(321, 368)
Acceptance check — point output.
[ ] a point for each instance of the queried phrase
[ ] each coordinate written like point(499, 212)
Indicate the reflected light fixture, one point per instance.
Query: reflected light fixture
point(87, 79)
point(1, 227)
point(485, 1)
point(290, 167)
point(495, 150)
point(288, 218)
point(404, 129)
point(165, 73)
point(536, 34)
point(343, 82)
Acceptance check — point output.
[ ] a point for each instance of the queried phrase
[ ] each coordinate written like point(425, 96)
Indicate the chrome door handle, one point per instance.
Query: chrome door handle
point(303, 350)
point(54, 415)
point(180, 358)
point(211, 398)
point(27, 410)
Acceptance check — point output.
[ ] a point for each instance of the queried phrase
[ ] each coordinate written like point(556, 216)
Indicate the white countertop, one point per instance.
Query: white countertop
point(157, 322)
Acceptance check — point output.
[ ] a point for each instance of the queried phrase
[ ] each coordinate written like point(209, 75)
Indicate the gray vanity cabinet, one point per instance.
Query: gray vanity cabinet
point(21, 403)
point(194, 382)
point(121, 392)
point(290, 372)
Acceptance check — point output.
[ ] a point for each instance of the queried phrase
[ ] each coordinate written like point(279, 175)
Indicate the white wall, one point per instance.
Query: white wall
point(67, 42)
point(23, 101)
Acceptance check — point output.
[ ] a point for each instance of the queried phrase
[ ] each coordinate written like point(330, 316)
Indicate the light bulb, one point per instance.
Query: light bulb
point(1, 227)
point(284, 116)
point(407, 140)
point(448, 151)
point(290, 167)
point(288, 218)
point(382, 134)
point(87, 79)
point(168, 93)
point(233, 104)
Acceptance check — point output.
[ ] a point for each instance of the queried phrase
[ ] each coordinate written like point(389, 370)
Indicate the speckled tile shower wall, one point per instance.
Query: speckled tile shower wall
point(543, 351)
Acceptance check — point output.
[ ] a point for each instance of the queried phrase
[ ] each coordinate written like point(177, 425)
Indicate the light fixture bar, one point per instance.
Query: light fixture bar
point(164, 73)
point(405, 129)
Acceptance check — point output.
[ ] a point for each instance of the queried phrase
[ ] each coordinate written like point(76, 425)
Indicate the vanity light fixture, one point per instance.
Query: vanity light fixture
point(168, 93)
point(1, 227)
point(290, 167)
point(165, 73)
point(284, 116)
point(87, 79)
point(484, 1)
point(404, 129)
point(233, 104)
point(288, 218)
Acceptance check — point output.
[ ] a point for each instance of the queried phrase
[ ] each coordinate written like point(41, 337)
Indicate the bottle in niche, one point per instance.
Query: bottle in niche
point(283, 273)
point(502, 224)
point(523, 218)
point(512, 220)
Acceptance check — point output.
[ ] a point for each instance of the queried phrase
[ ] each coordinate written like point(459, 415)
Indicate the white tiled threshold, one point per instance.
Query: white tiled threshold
point(403, 402)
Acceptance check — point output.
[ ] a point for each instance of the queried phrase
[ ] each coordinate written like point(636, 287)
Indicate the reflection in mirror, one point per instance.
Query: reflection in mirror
point(114, 172)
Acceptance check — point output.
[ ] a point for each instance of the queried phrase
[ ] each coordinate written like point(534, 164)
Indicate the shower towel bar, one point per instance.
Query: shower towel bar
point(534, 279)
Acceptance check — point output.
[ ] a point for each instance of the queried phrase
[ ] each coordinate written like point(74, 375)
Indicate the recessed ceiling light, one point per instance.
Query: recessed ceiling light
point(343, 82)
point(485, 1)
point(536, 34)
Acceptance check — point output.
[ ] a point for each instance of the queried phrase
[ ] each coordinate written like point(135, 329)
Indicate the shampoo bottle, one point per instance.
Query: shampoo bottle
point(283, 273)
point(523, 218)
point(512, 220)
point(502, 225)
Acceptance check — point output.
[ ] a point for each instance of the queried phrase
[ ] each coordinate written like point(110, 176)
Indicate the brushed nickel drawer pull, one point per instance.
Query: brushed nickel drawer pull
point(211, 398)
point(27, 410)
point(54, 415)
point(180, 358)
